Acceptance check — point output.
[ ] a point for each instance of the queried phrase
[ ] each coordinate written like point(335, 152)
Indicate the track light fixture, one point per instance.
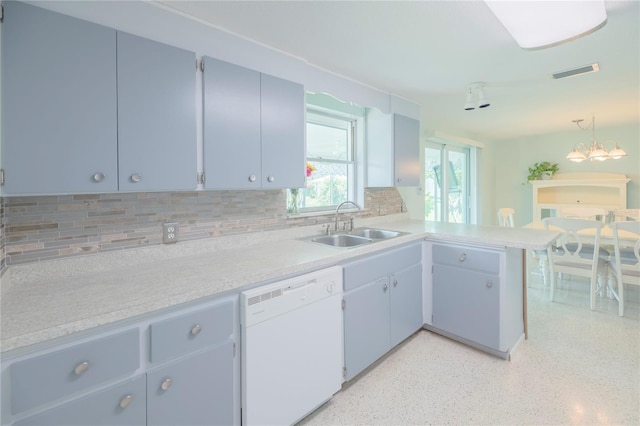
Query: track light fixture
point(476, 97)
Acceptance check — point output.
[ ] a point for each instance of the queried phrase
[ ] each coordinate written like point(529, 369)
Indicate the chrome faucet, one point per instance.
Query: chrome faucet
point(338, 210)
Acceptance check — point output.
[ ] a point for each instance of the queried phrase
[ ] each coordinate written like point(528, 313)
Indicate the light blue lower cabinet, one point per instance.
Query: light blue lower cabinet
point(405, 303)
point(366, 325)
point(122, 404)
point(467, 304)
point(193, 391)
point(382, 305)
point(476, 295)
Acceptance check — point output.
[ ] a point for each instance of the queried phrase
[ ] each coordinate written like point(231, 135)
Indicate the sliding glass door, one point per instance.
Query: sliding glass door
point(446, 183)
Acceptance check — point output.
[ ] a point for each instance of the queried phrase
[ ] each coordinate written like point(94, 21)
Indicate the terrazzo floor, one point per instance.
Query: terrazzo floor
point(577, 367)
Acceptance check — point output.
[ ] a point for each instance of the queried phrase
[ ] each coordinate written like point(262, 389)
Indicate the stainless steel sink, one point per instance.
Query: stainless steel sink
point(341, 240)
point(373, 233)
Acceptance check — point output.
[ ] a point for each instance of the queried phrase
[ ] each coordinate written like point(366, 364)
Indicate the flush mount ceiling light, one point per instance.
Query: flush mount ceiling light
point(476, 97)
point(596, 151)
point(538, 24)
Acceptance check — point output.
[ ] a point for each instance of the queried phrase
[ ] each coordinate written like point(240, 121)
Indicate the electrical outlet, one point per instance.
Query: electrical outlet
point(170, 232)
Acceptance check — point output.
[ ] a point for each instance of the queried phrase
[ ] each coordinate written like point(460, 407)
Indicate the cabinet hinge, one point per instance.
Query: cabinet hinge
point(344, 304)
point(344, 372)
point(201, 178)
point(1, 177)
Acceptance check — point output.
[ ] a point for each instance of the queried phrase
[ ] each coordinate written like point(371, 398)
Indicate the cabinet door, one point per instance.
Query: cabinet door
point(405, 303)
point(123, 404)
point(406, 135)
point(197, 390)
point(467, 303)
point(232, 158)
point(59, 103)
point(366, 325)
point(283, 130)
point(156, 116)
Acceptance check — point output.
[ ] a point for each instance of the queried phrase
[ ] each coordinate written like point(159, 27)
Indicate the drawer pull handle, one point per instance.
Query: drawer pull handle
point(489, 284)
point(166, 384)
point(463, 257)
point(81, 368)
point(126, 401)
point(196, 330)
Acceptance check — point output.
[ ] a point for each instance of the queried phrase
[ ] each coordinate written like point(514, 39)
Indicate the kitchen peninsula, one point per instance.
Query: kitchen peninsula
point(81, 333)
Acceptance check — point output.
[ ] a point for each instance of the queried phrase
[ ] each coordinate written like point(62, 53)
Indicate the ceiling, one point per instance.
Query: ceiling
point(430, 51)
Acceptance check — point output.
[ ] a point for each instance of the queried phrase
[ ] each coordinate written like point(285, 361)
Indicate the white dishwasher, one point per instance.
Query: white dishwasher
point(292, 347)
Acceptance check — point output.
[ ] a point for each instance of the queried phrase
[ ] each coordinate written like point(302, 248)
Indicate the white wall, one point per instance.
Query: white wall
point(513, 158)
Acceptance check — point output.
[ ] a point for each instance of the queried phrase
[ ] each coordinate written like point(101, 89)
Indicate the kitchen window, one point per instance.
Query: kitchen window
point(332, 145)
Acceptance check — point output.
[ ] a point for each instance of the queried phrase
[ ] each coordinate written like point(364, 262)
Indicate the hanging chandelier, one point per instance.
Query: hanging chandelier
point(596, 151)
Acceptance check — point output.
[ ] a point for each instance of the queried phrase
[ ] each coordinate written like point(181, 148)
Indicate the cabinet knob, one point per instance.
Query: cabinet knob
point(395, 283)
point(196, 329)
point(97, 177)
point(135, 178)
point(385, 287)
point(271, 178)
point(252, 178)
point(126, 401)
point(166, 384)
point(81, 368)
point(398, 180)
point(489, 284)
point(463, 257)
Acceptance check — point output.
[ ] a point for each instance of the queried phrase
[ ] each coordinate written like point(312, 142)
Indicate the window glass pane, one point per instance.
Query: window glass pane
point(457, 187)
point(328, 142)
point(432, 196)
point(328, 185)
point(330, 150)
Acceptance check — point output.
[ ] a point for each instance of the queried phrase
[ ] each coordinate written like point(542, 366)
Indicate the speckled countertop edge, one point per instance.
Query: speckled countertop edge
point(46, 300)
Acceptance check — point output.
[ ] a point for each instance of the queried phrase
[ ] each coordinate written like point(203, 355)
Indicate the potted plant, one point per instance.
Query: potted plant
point(542, 170)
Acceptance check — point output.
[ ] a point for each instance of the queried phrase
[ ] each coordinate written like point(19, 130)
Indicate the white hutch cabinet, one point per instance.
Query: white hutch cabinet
point(602, 190)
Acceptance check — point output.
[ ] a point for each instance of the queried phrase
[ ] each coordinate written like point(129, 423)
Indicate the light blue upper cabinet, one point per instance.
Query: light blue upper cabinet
point(231, 126)
point(406, 143)
point(283, 127)
point(59, 103)
point(253, 129)
point(156, 116)
point(393, 150)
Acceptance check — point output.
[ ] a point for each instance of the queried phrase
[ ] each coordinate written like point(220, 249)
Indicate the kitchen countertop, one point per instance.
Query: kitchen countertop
point(46, 300)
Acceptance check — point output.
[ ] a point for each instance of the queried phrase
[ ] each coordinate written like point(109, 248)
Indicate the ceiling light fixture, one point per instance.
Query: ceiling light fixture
point(596, 151)
point(538, 24)
point(476, 97)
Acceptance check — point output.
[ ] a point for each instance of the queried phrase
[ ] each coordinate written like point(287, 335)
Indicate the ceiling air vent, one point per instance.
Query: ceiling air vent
point(577, 71)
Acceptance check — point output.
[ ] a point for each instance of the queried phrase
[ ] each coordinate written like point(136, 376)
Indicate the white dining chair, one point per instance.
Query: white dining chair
point(506, 217)
point(624, 266)
point(594, 213)
point(577, 254)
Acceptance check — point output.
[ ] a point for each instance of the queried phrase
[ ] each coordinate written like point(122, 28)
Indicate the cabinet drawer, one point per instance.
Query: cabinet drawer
point(365, 270)
point(44, 378)
point(123, 404)
point(191, 331)
point(467, 258)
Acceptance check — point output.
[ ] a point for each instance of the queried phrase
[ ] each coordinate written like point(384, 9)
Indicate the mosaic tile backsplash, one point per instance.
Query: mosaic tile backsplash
point(50, 227)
